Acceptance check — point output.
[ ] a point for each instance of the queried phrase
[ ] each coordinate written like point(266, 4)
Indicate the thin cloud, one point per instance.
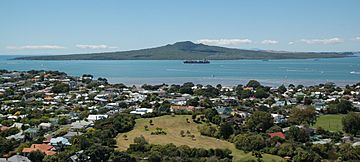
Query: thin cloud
point(323, 41)
point(224, 42)
point(357, 38)
point(291, 43)
point(269, 42)
point(92, 46)
point(36, 47)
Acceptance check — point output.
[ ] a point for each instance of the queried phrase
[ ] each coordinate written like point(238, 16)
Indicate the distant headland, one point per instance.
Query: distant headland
point(191, 51)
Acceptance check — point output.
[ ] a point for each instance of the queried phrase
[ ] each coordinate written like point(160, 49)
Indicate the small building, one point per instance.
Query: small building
point(32, 132)
point(46, 149)
point(69, 135)
point(59, 140)
point(45, 125)
point(96, 117)
point(278, 118)
point(277, 134)
point(175, 108)
point(81, 124)
point(224, 112)
point(141, 111)
point(15, 158)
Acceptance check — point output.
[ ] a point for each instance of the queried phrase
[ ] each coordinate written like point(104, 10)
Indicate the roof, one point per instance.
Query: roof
point(57, 140)
point(41, 147)
point(97, 117)
point(80, 124)
point(71, 134)
point(277, 134)
point(175, 107)
point(15, 158)
point(223, 110)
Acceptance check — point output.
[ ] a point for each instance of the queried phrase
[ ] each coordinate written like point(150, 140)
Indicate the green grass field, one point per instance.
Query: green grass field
point(329, 122)
point(173, 126)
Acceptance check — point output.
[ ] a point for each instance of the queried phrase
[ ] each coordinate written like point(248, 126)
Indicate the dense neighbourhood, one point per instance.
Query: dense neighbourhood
point(50, 116)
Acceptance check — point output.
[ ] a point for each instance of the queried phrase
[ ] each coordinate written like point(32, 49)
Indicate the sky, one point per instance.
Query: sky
point(38, 27)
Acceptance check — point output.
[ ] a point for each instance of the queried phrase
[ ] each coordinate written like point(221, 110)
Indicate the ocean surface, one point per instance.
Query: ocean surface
point(341, 71)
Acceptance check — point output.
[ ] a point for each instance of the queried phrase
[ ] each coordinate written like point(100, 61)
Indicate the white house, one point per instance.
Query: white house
point(141, 111)
point(96, 117)
point(278, 118)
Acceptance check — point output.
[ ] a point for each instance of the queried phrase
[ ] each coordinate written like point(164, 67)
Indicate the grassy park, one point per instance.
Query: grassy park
point(173, 125)
point(329, 122)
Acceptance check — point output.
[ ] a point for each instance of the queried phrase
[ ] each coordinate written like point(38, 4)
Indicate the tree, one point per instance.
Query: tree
point(226, 130)
point(306, 156)
point(206, 103)
point(287, 149)
point(297, 134)
point(193, 102)
point(348, 153)
point(300, 116)
point(6, 145)
point(36, 156)
point(282, 89)
point(186, 90)
point(344, 106)
point(245, 94)
point(261, 93)
point(182, 133)
point(210, 114)
point(260, 121)
point(193, 116)
point(253, 83)
point(351, 123)
point(60, 88)
point(98, 152)
point(117, 156)
point(249, 142)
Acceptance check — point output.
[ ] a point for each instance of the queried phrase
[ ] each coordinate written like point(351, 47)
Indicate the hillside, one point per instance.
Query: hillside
point(172, 125)
point(189, 50)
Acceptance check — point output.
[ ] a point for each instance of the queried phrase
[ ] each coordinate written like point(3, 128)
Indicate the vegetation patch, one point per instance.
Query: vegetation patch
point(174, 125)
point(330, 122)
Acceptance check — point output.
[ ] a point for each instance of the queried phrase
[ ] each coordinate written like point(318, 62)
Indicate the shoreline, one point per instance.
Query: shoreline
point(223, 81)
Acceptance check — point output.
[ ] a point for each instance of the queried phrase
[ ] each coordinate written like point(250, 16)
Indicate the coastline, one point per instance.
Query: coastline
point(223, 81)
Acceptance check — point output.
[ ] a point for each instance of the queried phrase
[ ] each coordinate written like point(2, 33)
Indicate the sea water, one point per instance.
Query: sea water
point(341, 71)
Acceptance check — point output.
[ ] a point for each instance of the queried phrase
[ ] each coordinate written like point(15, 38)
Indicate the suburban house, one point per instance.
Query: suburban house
point(96, 117)
point(81, 124)
point(46, 149)
point(141, 111)
point(59, 140)
point(278, 118)
point(15, 158)
point(277, 134)
point(175, 108)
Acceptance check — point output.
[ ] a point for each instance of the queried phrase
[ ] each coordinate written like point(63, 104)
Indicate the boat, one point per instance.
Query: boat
point(197, 61)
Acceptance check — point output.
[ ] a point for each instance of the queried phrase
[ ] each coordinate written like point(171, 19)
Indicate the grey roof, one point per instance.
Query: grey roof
point(71, 134)
point(15, 158)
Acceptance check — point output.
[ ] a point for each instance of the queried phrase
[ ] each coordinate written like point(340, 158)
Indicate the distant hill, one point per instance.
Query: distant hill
point(190, 51)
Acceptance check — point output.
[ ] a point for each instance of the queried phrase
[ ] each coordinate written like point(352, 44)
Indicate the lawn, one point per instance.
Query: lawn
point(173, 125)
point(329, 122)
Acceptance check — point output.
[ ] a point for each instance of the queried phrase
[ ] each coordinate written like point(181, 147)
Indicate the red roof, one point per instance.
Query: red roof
point(41, 147)
point(277, 134)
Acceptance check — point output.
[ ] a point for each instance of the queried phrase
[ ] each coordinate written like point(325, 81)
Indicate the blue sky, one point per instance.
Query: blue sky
point(84, 26)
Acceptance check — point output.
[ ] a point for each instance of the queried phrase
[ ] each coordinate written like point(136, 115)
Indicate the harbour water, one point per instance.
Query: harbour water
point(341, 71)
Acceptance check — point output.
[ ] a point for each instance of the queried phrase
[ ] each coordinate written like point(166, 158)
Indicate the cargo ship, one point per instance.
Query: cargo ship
point(197, 61)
